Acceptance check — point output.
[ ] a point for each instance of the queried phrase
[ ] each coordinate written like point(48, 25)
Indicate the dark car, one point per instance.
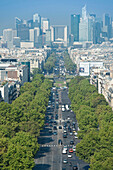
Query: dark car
point(54, 133)
point(71, 142)
point(75, 167)
point(60, 127)
point(60, 142)
point(54, 128)
point(64, 135)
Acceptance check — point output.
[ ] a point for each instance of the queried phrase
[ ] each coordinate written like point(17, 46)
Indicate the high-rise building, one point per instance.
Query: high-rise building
point(107, 25)
point(86, 26)
point(31, 35)
point(8, 34)
point(23, 32)
point(36, 20)
point(45, 24)
point(84, 13)
point(75, 20)
point(18, 21)
point(36, 34)
point(48, 37)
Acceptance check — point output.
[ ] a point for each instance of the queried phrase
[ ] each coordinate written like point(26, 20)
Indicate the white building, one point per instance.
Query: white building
point(4, 91)
point(45, 24)
point(85, 67)
point(31, 35)
point(26, 44)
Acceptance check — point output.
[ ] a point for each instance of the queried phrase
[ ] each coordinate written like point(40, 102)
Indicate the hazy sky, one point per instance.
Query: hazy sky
point(58, 11)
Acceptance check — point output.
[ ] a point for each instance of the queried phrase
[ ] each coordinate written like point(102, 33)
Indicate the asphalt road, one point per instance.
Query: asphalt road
point(50, 156)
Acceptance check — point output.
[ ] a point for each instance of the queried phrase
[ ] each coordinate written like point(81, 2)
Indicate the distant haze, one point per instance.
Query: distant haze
point(58, 11)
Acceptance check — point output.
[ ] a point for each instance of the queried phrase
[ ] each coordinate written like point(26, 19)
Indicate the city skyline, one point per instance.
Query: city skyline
point(58, 12)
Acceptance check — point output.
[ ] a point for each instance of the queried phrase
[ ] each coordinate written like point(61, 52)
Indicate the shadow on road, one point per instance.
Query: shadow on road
point(42, 167)
point(41, 152)
point(45, 140)
point(86, 167)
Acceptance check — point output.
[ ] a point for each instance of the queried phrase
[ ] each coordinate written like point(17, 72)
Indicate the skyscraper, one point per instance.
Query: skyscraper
point(86, 26)
point(84, 13)
point(75, 20)
point(36, 20)
point(45, 24)
point(107, 25)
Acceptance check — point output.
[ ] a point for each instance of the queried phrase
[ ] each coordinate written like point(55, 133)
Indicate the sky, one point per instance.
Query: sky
point(58, 11)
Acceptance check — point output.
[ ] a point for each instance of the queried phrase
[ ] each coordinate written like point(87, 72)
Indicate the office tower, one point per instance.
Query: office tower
point(84, 13)
point(30, 24)
point(107, 25)
point(23, 32)
point(31, 35)
point(75, 20)
point(36, 34)
point(36, 20)
point(97, 32)
point(45, 24)
point(71, 39)
point(16, 42)
point(52, 33)
point(18, 21)
point(48, 37)
point(86, 27)
point(8, 35)
point(22, 29)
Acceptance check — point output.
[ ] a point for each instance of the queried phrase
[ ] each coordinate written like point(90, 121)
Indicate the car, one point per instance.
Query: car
point(55, 123)
point(76, 137)
point(60, 142)
point(65, 147)
point(74, 148)
point(54, 133)
point(75, 133)
point(50, 130)
point(65, 131)
point(64, 135)
point(60, 127)
point(68, 121)
point(54, 128)
point(69, 156)
point(71, 142)
point(75, 167)
point(65, 161)
point(70, 150)
point(64, 151)
point(71, 133)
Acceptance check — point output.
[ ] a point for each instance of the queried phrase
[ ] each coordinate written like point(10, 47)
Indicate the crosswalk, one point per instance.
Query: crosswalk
point(55, 145)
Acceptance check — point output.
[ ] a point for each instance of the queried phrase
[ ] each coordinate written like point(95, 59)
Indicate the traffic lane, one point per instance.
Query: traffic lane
point(40, 158)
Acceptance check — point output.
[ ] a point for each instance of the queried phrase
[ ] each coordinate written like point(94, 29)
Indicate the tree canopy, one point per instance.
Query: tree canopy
point(21, 122)
point(95, 120)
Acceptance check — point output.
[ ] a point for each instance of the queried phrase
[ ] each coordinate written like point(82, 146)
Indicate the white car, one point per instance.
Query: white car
point(69, 156)
point(75, 133)
point(65, 147)
point(71, 133)
point(76, 137)
point(64, 151)
point(74, 148)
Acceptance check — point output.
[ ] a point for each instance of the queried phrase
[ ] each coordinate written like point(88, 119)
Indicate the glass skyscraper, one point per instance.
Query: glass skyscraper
point(75, 20)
